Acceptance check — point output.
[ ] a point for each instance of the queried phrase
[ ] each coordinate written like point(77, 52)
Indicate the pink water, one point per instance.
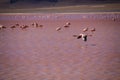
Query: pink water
point(47, 54)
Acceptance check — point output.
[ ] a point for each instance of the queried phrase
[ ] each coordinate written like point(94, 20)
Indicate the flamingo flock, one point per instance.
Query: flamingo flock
point(21, 26)
point(82, 36)
point(67, 25)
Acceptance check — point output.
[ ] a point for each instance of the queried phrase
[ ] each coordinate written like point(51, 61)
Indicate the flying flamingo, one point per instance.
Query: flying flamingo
point(83, 36)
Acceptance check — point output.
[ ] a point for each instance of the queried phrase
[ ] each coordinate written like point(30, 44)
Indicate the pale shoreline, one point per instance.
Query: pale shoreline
point(59, 16)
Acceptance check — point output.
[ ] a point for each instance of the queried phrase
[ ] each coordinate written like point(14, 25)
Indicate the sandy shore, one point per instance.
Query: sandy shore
point(47, 54)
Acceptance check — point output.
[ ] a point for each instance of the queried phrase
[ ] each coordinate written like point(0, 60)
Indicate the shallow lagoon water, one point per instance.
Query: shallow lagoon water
point(47, 54)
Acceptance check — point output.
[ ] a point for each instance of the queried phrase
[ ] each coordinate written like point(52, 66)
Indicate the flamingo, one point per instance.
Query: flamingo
point(2, 27)
point(17, 24)
point(83, 36)
point(13, 27)
point(68, 23)
point(37, 25)
point(32, 24)
point(41, 26)
point(85, 29)
point(92, 30)
point(66, 26)
point(58, 28)
point(24, 26)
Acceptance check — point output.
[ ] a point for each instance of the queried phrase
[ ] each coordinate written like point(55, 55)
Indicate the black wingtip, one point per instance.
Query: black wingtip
point(79, 37)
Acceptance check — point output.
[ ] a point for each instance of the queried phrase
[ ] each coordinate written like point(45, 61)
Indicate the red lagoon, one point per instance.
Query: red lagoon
point(44, 53)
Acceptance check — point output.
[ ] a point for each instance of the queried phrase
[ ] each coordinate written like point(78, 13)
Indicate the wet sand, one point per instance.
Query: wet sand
point(47, 54)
